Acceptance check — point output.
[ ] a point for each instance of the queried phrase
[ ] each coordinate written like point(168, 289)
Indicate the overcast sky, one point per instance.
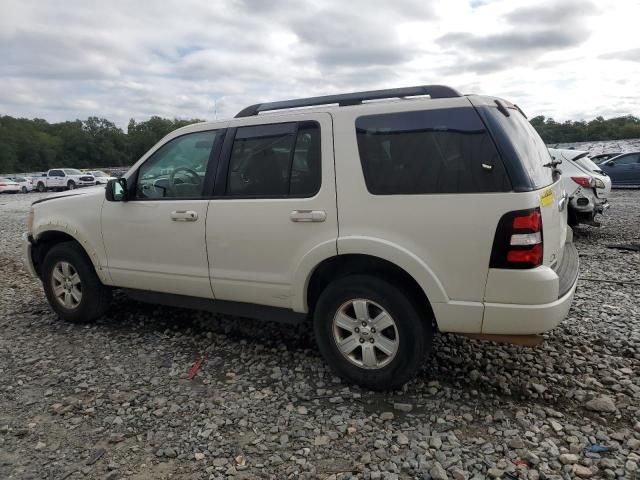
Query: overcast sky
point(62, 60)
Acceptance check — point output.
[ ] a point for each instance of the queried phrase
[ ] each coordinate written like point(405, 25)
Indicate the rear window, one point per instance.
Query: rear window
point(531, 152)
point(431, 151)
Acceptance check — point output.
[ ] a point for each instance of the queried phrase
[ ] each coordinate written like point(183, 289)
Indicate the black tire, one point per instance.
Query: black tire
point(414, 331)
point(23, 189)
point(41, 187)
point(71, 185)
point(95, 297)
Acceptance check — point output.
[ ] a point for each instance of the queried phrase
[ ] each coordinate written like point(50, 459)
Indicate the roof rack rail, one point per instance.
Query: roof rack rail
point(356, 98)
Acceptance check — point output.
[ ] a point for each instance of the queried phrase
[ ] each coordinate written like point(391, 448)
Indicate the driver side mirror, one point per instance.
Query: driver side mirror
point(116, 190)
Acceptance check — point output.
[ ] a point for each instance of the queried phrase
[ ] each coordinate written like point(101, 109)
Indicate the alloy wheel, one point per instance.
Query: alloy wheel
point(365, 333)
point(66, 284)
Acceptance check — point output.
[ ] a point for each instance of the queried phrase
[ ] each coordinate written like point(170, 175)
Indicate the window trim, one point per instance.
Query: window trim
point(212, 164)
point(222, 175)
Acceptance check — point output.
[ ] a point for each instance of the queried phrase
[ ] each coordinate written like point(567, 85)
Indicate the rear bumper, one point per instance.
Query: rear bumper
point(527, 319)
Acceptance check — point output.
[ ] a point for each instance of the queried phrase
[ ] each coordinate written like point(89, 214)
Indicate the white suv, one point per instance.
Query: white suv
point(379, 222)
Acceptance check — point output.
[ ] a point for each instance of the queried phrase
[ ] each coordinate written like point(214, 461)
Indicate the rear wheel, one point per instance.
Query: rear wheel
point(24, 189)
point(370, 332)
point(71, 285)
point(41, 187)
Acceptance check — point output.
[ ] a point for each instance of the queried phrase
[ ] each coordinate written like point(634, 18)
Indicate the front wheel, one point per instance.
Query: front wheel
point(71, 285)
point(71, 185)
point(23, 189)
point(370, 332)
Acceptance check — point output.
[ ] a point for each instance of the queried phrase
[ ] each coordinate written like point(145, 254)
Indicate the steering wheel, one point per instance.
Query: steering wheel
point(192, 173)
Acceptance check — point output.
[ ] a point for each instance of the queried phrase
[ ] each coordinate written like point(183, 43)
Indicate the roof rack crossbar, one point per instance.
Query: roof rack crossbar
point(344, 99)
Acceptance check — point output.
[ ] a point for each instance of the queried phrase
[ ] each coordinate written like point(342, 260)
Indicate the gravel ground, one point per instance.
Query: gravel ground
point(112, 400)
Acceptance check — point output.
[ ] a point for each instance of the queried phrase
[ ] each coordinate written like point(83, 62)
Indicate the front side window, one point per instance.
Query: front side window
point(56, 173)
point(431, 151)
point(275, 160)
point(177, 169)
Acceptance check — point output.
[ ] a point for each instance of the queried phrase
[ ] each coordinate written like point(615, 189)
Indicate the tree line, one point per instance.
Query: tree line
point(617, 128)
point(37, 145)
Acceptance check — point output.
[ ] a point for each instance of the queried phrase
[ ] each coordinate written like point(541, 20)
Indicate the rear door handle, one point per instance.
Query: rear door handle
point(184, 216)
point(308, 216)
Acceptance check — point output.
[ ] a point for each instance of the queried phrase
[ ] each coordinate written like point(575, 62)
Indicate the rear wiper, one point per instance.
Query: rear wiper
point(553, 163)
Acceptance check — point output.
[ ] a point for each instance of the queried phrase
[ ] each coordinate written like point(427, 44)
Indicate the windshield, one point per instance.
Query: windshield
point(99, 174)
point(72, 171)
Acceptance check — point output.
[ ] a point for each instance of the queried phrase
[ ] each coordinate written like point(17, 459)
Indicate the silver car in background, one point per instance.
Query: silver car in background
point(586, 184)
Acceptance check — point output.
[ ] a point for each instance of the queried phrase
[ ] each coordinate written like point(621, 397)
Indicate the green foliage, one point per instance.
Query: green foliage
point(36, 145)
point(617, 128)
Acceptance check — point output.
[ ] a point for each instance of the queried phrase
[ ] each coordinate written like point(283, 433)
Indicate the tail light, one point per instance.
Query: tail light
point(518, 243)
point(3, 185)
point(584, 181)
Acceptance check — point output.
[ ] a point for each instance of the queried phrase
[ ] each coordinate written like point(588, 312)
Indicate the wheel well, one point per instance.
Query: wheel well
point(342, 265)
point(45, 242)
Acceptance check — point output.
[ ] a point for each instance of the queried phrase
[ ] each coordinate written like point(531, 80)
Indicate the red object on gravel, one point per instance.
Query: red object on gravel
point(194, 369)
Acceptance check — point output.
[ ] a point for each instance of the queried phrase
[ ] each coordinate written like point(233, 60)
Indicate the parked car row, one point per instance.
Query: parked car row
point(16, 184)
point(54, 179)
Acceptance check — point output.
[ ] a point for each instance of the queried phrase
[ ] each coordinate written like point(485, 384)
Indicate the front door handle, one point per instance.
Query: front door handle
point(184, 216)
point(308, 216)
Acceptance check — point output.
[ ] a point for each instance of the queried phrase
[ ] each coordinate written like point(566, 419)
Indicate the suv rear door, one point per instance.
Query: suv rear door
point(529, 164)
point(274, 209)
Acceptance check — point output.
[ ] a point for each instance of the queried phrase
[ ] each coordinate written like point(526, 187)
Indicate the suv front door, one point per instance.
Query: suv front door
point(274, 212)
point(156, 240)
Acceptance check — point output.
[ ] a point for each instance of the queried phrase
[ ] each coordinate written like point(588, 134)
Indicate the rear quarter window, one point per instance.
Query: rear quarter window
point(430, 151)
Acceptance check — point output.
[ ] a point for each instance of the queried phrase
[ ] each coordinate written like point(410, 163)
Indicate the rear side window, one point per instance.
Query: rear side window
point(431, 151)
point(275, 160)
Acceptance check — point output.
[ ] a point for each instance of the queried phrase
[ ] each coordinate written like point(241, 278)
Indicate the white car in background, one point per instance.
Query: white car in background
point(101, 177)
point(8, 186)
point(25, 183)
point(588, 187)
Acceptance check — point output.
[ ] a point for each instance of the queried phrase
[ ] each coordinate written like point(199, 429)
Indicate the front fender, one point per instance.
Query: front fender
point(83, 239)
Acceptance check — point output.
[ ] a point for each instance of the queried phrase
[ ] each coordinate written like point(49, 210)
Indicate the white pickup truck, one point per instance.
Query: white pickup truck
point(63, 179)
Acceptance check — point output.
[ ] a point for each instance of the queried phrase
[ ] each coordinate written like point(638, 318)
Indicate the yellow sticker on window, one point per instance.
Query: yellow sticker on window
point(546, 197)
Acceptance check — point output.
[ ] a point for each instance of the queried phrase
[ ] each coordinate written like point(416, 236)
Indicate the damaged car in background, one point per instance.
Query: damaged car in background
point(586, 184)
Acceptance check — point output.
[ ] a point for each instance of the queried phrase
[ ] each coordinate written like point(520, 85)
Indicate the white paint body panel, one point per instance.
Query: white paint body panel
point(148, 250)
point(254, 248)
point(76, 213)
